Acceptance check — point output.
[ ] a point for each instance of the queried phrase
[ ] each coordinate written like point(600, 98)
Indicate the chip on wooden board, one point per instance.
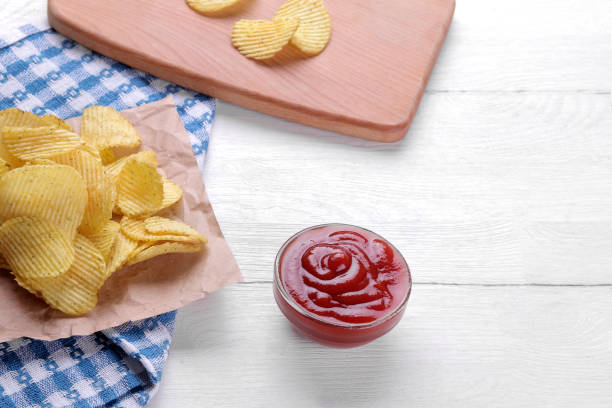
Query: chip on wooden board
point(262, 39)
point(40, 142)
point(211, 6)
point(104, 127)
point(164, 248)
point(74, 292)
point(140, 188)
point(55, 192)
point(34, 247)
point(314, 31)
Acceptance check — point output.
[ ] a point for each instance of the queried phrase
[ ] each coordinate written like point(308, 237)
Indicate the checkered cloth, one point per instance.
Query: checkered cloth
point(44, 72)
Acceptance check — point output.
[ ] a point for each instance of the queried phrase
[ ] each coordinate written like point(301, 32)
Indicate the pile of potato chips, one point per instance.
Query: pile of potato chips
point(306, 24)
point(71, 213)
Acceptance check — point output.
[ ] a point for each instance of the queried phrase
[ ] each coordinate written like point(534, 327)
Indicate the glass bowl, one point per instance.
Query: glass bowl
point(337, 333)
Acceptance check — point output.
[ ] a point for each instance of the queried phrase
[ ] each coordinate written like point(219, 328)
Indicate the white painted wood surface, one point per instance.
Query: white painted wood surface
point(500, 197)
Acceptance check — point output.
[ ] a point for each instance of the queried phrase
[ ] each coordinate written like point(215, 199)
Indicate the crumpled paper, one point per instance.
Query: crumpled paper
point(153, 287)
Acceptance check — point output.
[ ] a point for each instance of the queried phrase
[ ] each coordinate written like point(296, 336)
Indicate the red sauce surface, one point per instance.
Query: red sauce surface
point(344, 274)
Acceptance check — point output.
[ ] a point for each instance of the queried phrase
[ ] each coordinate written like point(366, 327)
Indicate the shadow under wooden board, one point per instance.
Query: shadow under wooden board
point(367, 83)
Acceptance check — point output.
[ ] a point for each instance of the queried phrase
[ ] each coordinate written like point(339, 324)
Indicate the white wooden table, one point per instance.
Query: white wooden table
point(500, 198)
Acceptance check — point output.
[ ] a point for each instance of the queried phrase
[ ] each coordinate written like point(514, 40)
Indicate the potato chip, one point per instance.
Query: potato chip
point(56, 193)
point(105, 237)
point(86, 147)
point(146, 156)
point(136, 229)
point(38, 162)
point(104, 127)
point(3, 263)
point(163, 249)
point(210, 6)
point(99, 208)
point(52, 120)
point(13, 117)
point(39, 143)
point(139, 188)
point(4, 167)
point(34, 247)
point(172, 193)
point(107, 155)
point(76, 291)
point(120, 252)
point(314, 30)
point(162, 226)
point(262, 39)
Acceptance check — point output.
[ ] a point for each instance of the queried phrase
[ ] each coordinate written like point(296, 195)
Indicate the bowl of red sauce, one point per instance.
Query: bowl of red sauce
point(341, 285)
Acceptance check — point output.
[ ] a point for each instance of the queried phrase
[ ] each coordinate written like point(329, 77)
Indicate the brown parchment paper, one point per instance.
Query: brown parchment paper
point(156, 286)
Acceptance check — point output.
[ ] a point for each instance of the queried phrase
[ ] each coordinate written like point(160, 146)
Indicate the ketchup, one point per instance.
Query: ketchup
point(344, 274)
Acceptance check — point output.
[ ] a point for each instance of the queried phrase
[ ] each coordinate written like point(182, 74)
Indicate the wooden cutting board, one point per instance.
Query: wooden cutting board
point(367, 83)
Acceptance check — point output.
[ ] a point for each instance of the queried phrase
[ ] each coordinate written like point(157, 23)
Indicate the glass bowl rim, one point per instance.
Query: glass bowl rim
point(306, 313)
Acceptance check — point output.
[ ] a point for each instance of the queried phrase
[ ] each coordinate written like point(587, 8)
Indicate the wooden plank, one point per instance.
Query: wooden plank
point(513, 46)
point(456, 347)
point(15, 13)
point(496, 188)
point(367, 83)
point(527, 45)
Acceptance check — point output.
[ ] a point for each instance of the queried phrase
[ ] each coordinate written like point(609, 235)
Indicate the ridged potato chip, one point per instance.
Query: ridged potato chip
point(262, 39)
point(163, 248)
point(86, 147)
point(146, 156)
point(38, 162)
point(105, 237)
point(104, 127)
point(52, 120)
point(314, 30)
point(4, 167)
point(136, 229)
point(211, 6)
point(172, 194)
point(39, 143)
point(14, 117)
point(139, 188)
point(162, 226)
point(120, 252)
point(3, 263)
point(76, 291)
point(35, 248)
point(99, 208)
point(107, 155)
point(56, 193)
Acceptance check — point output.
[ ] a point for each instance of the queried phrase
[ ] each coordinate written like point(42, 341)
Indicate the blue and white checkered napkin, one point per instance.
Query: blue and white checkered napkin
point(43, 72)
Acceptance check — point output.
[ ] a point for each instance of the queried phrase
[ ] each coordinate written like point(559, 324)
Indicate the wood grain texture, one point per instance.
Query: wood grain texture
point(494, 188)
point(504, 179)
point(455, 347)
point(526, 45)
point(15, 13)
point(367, 83)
